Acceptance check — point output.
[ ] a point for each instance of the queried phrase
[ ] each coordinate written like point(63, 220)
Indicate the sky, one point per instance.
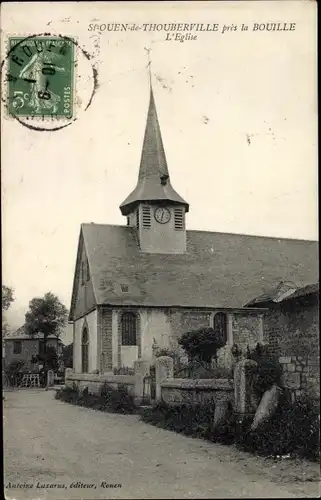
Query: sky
point(237, 111)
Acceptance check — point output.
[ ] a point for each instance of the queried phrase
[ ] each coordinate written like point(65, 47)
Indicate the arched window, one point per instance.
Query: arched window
point(220, 325)
point(84, 350)
point(128, 328)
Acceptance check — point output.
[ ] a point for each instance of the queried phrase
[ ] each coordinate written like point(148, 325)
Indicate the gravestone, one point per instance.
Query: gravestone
point(267, 406)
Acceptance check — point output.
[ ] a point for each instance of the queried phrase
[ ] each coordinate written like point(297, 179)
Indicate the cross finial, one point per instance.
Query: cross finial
point(149, 66)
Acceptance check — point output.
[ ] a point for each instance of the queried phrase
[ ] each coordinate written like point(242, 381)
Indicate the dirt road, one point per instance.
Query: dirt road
point(54, 450)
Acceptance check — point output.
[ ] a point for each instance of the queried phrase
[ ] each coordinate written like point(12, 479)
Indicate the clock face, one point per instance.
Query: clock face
point(162, 215)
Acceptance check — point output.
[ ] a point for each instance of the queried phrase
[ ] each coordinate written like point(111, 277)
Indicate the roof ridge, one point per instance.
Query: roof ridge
point(209, 232)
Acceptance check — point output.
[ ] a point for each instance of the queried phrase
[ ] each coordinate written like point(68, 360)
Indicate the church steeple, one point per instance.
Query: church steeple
point(153, 180)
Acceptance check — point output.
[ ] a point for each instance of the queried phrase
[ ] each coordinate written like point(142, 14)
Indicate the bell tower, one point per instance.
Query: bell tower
point(154, 208)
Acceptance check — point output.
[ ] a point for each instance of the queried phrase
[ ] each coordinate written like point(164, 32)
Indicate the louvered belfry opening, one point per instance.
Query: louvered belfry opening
point(178, 219)
point(146, 216)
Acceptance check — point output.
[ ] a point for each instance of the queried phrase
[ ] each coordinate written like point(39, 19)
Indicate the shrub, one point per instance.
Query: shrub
point(109, 399)
point(118, 400)
point(202, 344)
point(14, 372)
point(293, 429)
point(68, 394)
point(269, 370)
point(190, 419)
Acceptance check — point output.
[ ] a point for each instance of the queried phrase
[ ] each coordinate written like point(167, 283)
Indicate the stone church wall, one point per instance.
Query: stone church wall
point(91, 321)
point(105, 334)
point(182, 321)
point(246, 329)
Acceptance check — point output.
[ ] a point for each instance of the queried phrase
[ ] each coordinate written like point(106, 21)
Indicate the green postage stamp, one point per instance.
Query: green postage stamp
point(40, 76)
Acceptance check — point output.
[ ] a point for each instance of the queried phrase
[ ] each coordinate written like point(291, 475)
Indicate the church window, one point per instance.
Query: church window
point(137, 218)
point(146, 216)
point(84, 350)
point(128, 221)
point(128, 328)
point(220, 325)
point(178, 219)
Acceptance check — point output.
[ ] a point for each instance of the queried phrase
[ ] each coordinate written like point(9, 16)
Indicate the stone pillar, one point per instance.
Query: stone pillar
point(50, 378)
point(244, 400)
point(225, 359)
point(68, 372)
point(230, 329)
point(115, 333)
point(164, 366)
point(261, 329)
point(142, 370)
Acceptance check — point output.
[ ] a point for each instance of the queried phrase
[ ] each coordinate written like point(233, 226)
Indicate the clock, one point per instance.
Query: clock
point(162, 215)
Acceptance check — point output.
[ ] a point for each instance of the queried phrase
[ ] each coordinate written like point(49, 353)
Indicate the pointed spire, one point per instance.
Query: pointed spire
point(153, 179)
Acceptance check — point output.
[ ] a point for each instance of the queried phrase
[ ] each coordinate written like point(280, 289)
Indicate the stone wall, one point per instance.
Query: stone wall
point(301, 375)
point(292, 331)
point(95, 382)
point(177, 391)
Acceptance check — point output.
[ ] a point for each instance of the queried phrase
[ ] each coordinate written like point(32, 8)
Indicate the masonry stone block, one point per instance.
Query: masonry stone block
point(291, 380)
point(284, 360)
point(291, 367)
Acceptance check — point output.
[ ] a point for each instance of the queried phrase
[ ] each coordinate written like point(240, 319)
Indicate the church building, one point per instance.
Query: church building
point(147, 282)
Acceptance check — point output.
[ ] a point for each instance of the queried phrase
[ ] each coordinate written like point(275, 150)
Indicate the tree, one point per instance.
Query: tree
point(7, 299)
point(66, 355)
point(46, 315)
point(48, 359)
point(202, 344)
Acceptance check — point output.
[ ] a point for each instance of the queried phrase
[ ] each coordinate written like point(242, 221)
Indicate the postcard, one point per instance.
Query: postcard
point(160, 258)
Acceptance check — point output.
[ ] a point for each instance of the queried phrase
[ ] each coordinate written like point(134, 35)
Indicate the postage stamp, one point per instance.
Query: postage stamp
point(40, 76)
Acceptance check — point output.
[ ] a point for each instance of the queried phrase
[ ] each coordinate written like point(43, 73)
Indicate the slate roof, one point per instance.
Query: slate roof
point(304, 291)
point(292, 293)
point(20, 334)
point(218, 269)
point(153, 166)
